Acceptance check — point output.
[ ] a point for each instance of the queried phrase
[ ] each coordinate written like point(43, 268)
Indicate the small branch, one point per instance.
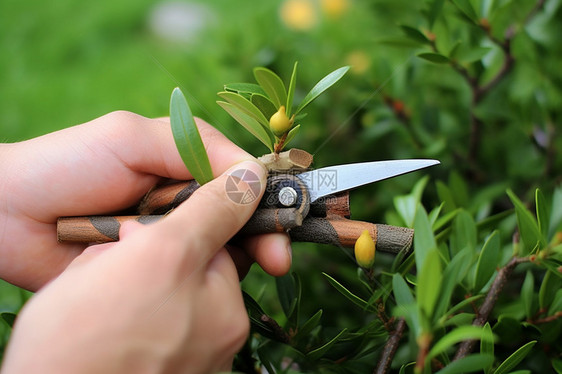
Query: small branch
point(489, 302)
point(278, 331)
point(390, 347)
point(548, 319)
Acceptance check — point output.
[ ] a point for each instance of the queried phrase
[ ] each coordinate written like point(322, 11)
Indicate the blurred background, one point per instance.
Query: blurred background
point(67, 62)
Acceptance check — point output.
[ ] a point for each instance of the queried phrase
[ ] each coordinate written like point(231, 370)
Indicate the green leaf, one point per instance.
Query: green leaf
point(473, 54)
point(455, 336)
point(464, 230)
point(406, 205)
point(557, 365)
point(433, 11)
point(264, 105)
point(289, 291)
point(556, 212)
point(319, 352)
point(429, 283)
point(542, 214)
point(187, 139)
point(286, 293)
point(249, 124)
point(424, 241)
point(436, 58)
point(9, 318)
point(310, 324)
point(556, 305)
point(255, 313)
point(291, 92)
point(550, 284)
point(349, 295)
point(467, 9)
point(415, 34)
point(468, 364)
point(294, 131)
point(402, 292)
point(445, 195)
point(528, 226)
point(513, 360)
point(246, 106)
point(246, 89)
point(487, 261)
point(454, 272)
point(322, 86)
point(272, 85)
point(487, 345)
point(527, 292)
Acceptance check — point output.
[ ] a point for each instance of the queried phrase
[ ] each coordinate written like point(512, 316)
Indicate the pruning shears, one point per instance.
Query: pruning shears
point(310, 205)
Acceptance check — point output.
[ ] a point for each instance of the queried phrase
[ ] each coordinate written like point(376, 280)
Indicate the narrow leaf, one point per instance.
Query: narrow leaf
point(249, 124)
point(291, 92)
point(467, 9)
point(455, 336)
point(527, 292)
point(429, 283)
point(286, 293)
point(487, 261)
point(468, 364)
point(294, 131)
point(246, 89)
point(528, 226)
point(550, 284)
point(348, 294)
point(319, 352)
point(187, 139)
point(513, 360)
point(436, 58)
point(556, 212)
point(322, 86)
point(542, 214)
point(264, 105)
point(464, 229)
point(487, 345)
point(453, 274)
point(310, 324)
point(433, 11)
point(246, 106)
point(272, 85)
point(415, 34)
point(424, 241)
point(402, 292)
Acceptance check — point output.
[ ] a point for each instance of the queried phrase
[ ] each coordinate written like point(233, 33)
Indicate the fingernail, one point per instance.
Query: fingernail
point(245, 182)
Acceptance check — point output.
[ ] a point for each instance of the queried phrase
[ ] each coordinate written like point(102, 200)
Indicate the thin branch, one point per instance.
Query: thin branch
point(548, 319)
point(390, 348)
point(489, 302)
point(278, 331)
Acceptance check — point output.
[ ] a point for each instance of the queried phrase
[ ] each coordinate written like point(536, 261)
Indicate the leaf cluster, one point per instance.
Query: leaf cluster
point(252, 105)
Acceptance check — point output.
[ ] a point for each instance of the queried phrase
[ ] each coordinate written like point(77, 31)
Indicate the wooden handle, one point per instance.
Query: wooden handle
point(335, 231)
point(101, 229)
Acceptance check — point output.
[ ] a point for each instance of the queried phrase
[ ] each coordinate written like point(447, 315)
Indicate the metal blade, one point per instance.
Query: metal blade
point(333, 179)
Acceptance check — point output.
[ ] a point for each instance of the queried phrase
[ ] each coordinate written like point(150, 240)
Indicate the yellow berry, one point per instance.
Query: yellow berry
point(279, 123)
point(365, 250)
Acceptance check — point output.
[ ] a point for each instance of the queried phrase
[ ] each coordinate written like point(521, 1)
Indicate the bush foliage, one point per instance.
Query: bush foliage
point(475, 84)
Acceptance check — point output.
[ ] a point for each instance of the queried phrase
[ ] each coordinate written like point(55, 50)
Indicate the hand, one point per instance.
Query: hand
point(100, 167)
point(165, 298)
